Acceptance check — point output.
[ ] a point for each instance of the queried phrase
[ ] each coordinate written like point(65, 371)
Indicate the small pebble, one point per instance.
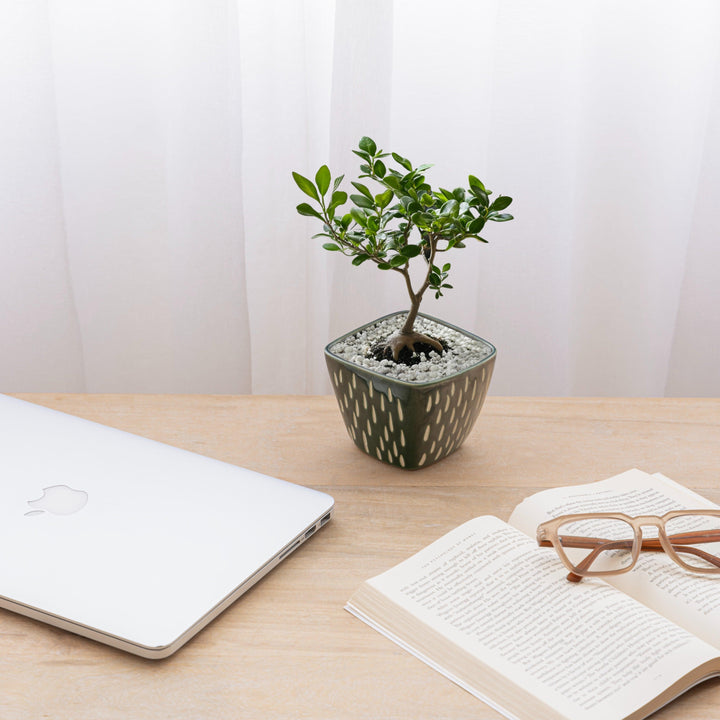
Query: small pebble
point(463, 353)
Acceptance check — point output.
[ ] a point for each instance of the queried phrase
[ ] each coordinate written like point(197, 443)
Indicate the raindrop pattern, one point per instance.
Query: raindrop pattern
point(409, 427)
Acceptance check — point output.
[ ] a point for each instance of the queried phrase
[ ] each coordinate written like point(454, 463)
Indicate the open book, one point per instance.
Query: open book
point(488, 608)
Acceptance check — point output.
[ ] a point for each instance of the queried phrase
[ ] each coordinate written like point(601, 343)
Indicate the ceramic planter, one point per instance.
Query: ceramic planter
point(409, 424)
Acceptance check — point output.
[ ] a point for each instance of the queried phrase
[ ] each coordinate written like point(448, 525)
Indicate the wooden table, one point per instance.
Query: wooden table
point(287, 649)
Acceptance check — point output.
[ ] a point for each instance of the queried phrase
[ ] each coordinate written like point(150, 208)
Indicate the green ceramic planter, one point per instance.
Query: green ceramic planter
point(409, 424)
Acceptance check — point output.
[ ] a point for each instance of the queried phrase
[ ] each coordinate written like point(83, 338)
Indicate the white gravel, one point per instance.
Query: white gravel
point(463, 353)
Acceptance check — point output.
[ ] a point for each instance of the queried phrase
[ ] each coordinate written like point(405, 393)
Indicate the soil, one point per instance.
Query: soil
point(381, 351)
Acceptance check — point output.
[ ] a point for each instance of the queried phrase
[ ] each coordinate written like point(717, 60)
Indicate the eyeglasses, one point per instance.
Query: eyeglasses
point(592, 544)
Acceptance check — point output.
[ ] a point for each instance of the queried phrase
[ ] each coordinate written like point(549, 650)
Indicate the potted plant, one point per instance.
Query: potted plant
point(409, 386)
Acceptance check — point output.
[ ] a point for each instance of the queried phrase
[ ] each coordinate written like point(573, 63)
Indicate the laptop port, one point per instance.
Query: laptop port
point(288, 550)
point(310, 531)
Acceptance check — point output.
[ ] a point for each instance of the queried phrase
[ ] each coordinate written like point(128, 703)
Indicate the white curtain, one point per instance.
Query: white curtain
point(148, 234)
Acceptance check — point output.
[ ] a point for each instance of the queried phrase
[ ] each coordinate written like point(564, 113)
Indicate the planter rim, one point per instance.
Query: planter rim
point(388, 379)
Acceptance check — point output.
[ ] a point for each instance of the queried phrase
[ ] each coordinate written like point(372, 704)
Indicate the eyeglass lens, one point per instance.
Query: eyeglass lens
point(597, 544)
point(695, 539)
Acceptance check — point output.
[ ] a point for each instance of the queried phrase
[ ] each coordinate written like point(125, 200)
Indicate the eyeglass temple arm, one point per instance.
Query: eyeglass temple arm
point(699, 536)
point(596, 544)
point(599, 545)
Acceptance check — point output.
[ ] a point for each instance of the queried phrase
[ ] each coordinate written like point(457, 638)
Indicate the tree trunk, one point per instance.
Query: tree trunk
point(408, 327)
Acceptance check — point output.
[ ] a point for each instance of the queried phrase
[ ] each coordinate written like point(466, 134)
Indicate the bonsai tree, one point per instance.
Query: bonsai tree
point(406, 219)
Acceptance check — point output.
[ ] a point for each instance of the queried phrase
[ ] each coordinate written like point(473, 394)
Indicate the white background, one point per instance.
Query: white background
point(148, 234)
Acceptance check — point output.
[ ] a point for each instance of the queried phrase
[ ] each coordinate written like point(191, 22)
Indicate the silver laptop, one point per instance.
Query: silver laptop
point(128, 541)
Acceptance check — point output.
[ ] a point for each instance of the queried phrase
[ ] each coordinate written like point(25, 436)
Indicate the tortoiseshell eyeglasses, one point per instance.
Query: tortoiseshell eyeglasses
point(596, 544)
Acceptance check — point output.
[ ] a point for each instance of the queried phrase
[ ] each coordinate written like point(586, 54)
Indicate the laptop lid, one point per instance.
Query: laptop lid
point(132, 542)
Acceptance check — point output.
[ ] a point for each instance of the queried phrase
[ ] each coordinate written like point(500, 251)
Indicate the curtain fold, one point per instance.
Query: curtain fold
point(148, 237)
point(694, 361)
point(42, 345)
point(361, 104)
point(645, 110)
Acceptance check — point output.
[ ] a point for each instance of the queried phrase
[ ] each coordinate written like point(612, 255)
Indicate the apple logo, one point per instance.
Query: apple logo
point(58, 500)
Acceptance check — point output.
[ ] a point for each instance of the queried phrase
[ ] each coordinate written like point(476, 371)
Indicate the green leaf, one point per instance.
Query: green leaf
point(363, 189)
point(478, 190)
point(481, 196)
point(380, 168)
point(409, 180)
point(363, 155)
point(368, 145)
point(500, 203)
point(400, 160)
point(339, 197)
point(449, 208)
point(398, 260)
point(306, 186)
point(411, 251)
point(446, 268)
point(322, 179)
point(385, 266)
point(383, 199)
point(359, 217)
point(331, 246)
point(476, 225)
point(305, 209)
point(337, 181)
point(421, 219)
point(362, 201)
point(475, 183)
point(500, 217)
point(393, 182)
point(411, 206)
point(360, 259)
point(420, 168)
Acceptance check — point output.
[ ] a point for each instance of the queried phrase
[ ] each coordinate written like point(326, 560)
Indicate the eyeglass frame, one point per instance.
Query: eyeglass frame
point(547, 536)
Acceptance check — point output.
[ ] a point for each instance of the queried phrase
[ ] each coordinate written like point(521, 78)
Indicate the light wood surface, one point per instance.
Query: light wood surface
point(287, 649)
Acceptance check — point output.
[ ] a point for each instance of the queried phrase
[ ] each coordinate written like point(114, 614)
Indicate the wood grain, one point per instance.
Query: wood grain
point(288, 649)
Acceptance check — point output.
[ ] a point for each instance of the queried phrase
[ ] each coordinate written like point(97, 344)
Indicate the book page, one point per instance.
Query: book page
point(586, 650)
point(689, 599)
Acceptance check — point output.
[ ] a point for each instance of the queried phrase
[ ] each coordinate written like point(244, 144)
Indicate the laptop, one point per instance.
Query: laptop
point(132, 542)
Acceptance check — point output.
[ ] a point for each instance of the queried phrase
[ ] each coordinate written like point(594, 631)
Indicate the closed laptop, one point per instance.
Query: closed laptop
point(132, 542)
